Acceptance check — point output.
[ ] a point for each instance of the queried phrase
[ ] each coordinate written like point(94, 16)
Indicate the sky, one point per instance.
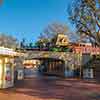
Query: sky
point(28, 18)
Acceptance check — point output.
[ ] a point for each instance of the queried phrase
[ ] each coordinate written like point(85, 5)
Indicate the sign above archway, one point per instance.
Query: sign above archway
point(62, 40)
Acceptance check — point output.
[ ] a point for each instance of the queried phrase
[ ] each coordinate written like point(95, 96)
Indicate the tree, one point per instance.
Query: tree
point(8, 41)
point(39, 44)
point(23, 43)
point(53, 29)
point(31, 45)
point(85, 15)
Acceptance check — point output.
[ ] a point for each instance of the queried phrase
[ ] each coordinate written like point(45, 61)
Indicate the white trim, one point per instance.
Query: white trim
point(7, 51)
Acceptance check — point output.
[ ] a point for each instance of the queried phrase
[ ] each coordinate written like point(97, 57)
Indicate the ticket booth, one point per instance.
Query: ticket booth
point(6, 67)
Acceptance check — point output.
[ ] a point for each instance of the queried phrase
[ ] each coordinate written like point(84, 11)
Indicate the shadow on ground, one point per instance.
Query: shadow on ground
point(54, 88)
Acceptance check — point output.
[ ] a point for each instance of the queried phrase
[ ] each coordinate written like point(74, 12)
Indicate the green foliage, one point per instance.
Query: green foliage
point(31, 45)
point(66, 49)
point(60, 49)
point(55, 49)
point(39, 44)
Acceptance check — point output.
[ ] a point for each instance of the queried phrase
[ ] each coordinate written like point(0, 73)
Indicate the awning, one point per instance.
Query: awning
point(8, 52)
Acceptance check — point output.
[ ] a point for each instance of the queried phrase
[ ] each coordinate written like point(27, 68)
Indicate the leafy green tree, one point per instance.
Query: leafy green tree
point(39, 44)
point(31, 45)
point(85, 15)
point(23, 43)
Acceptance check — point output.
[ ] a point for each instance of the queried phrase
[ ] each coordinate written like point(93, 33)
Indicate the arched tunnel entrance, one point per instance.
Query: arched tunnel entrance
point(45, 66)
point(31, 67)
point(52, 66)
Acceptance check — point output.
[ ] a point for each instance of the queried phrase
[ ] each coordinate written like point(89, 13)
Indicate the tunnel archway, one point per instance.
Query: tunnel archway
point(51, 66)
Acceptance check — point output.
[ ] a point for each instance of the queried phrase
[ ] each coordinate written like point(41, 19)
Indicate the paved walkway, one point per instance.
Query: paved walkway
point(45, 88)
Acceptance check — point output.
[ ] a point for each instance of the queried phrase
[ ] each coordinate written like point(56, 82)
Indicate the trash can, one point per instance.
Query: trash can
point(88, 73)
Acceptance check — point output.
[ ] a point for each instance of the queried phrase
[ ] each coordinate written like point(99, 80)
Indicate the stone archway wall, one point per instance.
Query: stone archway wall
point(72, 60)
point(46, 54)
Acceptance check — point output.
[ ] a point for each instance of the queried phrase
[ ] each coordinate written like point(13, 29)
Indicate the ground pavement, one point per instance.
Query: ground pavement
point(52, 88)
